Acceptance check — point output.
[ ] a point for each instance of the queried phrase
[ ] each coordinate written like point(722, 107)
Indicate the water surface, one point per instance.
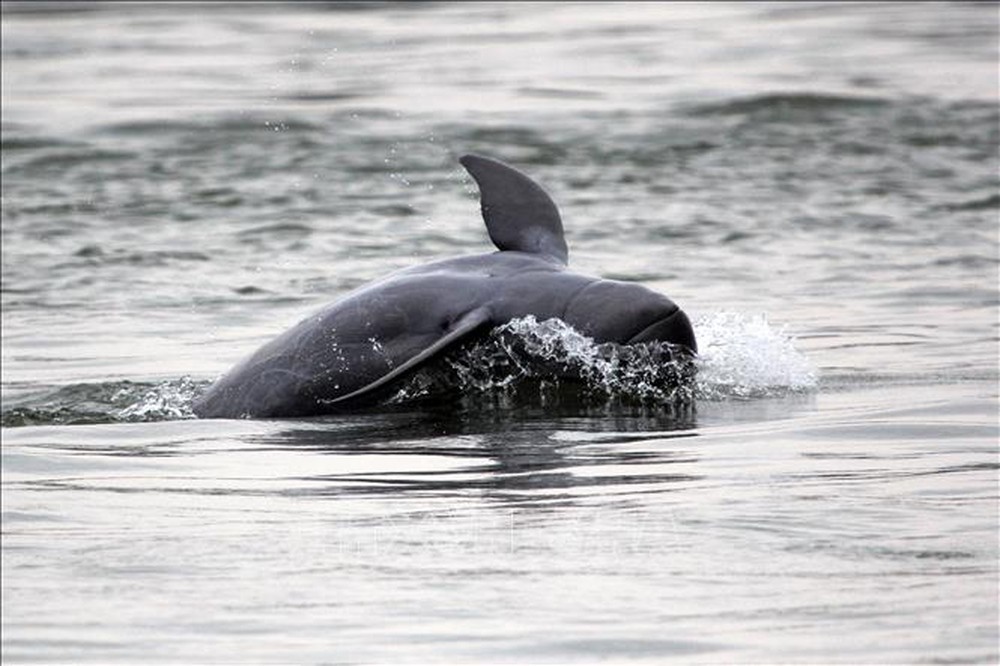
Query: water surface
point(815, 184)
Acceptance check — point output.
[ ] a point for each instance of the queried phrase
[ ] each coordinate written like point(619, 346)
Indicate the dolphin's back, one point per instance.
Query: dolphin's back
point(372, 332)
point(367, 340)
point(340, 349)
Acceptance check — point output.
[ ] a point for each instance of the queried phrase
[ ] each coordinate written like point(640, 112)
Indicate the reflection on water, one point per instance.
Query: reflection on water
point(504, 459)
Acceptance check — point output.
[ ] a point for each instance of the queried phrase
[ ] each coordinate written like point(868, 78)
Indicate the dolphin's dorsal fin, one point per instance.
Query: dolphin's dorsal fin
point(519, 215)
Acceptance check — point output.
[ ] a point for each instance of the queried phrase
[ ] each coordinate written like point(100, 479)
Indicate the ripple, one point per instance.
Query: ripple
point(789, 105)
point(332, 96)
point(286, 229)
point(96, 255)
point(560, 93)
point(61, 159)
point(986, 203)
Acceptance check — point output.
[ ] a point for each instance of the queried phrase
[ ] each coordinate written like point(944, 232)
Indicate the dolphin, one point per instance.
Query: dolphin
point(354, 349)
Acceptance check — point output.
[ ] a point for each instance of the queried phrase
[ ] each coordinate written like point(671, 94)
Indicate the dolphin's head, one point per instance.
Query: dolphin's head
point(628, 313)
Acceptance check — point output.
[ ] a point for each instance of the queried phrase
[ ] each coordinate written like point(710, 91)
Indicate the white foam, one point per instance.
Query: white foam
point(167, 400)
point(742, 356)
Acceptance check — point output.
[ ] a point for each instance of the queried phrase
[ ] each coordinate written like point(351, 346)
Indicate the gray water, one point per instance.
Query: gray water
point(817, 185)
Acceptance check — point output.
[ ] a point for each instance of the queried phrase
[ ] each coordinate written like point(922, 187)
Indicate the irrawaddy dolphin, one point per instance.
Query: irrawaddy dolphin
point(353, 350)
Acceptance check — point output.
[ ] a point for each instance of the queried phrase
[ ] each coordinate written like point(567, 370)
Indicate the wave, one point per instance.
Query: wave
point(549, 363)
point(524, 363)
point(106, 402)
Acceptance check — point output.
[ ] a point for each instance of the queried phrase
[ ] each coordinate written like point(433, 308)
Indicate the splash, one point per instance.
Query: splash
point(742, 356)
point(106, 402)
point(526, 361)
point(165, 401)
point(545, 363)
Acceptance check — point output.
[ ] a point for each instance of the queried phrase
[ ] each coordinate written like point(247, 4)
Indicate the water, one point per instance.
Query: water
point(815, 184)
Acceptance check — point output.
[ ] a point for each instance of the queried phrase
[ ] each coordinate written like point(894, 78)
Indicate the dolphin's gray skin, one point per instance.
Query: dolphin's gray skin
point(345, 353)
